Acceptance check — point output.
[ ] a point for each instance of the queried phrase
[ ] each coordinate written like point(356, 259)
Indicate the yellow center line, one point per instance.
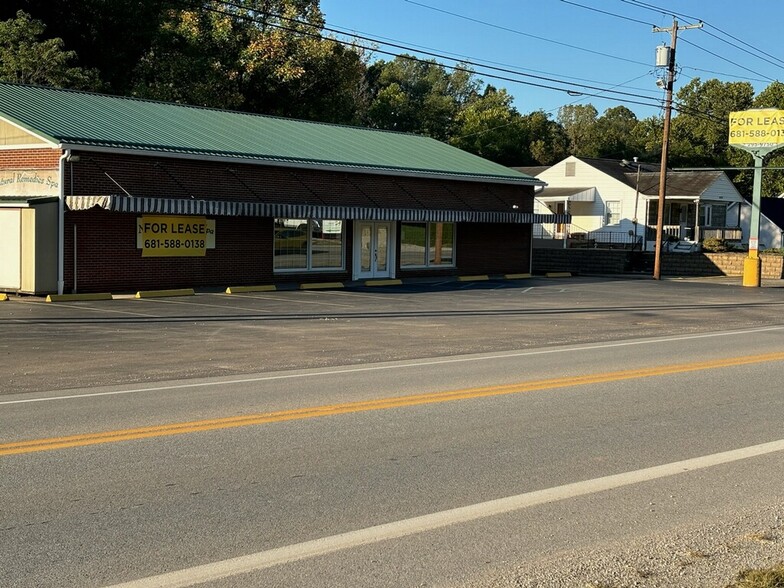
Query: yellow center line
point(52, 443)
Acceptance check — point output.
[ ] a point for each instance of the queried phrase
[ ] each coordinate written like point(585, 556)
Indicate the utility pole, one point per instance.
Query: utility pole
point(666, 138)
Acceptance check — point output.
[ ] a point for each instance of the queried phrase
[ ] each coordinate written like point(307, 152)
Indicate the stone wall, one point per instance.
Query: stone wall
point(602, 261)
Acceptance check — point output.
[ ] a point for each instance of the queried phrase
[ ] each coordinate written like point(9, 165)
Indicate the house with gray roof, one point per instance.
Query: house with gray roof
point(102, 193)
point(615, 203)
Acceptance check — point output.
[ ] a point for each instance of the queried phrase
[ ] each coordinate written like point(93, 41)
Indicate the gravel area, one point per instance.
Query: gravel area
point(705, 556)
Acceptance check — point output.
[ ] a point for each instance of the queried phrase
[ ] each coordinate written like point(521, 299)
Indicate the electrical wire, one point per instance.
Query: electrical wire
point(657, 103)
point(516, 32)
point(573, 85)
point(647, 6)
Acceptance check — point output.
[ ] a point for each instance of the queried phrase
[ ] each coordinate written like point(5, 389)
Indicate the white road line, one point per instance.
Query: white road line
point(93, 308)
point(298, 300)
point(204, 305)
point(412, 364)
point(407, 527)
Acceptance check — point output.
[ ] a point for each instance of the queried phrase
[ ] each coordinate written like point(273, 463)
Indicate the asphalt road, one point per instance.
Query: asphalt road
point(422, 438)
point(53, 346)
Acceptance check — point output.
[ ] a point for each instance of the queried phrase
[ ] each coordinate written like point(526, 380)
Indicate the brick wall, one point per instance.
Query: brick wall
point(108, 260)
point(30, 159)
point(581, 261)
point(717, 264)
point(601, 261)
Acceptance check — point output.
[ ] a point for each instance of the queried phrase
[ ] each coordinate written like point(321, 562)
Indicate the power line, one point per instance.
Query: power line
point(613, 14)
point(662, 11)
point(725, 59)
point(573, 85)
point(656, 102)
point(516, 32)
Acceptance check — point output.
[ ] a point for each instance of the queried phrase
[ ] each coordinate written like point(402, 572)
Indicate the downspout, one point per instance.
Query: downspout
point(61, 224)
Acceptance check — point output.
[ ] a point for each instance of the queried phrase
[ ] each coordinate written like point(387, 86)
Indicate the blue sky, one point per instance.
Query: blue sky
point(561, 40)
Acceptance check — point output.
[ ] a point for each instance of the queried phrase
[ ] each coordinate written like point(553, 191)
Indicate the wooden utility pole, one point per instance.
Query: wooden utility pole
point(666, 140)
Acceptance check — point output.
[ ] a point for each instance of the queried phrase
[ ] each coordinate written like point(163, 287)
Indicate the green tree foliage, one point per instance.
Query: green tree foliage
point(772, 179)
point(108, 35)
point(489, 126)
point(416, 96)
point(26, 59)
point(256, 55)
point(700, 131)
point(579, 124)
point(615, 132)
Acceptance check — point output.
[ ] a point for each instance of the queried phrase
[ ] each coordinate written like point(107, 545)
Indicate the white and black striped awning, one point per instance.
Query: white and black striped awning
point(265, 209)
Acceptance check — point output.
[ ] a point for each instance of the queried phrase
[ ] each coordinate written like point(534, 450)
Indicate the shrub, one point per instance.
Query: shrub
point(715, 245)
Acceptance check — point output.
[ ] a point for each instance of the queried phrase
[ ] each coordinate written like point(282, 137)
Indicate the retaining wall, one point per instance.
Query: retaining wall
point(600, 261)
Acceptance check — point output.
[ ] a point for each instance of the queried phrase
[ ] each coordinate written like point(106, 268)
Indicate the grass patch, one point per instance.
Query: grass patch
point(768, 578)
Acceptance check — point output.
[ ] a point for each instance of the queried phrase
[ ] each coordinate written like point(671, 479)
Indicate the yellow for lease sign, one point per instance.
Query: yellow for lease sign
point(174, 236)
point(762, 127)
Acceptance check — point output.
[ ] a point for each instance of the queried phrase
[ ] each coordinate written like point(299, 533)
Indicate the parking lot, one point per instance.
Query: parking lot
point(55, 346)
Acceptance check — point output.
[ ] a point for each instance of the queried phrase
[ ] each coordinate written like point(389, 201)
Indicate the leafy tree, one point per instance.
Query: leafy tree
point(772, 179)
point(579, 124)
point(416, 96)
point(492, 128)
point(615, 132)
point(108, 35)
point(547, 140)
point(256, 55)
point(700, 131)
point(25, 59)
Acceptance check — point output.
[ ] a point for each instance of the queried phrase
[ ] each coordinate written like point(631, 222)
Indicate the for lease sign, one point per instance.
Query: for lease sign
point(174, 236)
point(763, 127)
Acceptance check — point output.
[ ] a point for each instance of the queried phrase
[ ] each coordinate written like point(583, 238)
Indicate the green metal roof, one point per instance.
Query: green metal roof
point(81, 119)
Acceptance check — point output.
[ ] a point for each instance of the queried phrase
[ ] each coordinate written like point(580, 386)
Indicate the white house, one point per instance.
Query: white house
point(615, 203)
point(771, 230)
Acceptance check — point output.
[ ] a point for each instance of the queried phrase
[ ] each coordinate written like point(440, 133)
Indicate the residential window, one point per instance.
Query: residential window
point(706, 215)
point(612, 212)
point(308, 244)
point(427, 244)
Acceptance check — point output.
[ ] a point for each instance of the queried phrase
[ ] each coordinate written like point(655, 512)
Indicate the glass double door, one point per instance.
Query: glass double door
point(373, 250)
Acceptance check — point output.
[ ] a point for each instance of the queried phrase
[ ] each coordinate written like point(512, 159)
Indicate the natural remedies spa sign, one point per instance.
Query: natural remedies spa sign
point(174, 236)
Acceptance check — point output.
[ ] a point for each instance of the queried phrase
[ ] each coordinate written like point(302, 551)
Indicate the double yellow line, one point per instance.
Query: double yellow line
point(52, 443)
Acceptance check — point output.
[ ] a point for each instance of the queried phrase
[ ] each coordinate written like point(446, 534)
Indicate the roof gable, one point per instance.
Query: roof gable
point(80, 119)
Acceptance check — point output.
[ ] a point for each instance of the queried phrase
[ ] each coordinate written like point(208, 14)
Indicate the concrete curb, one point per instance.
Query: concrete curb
point(517, 276)
point(472, 278)
point(558, 275)
point(246, 289)
point(384, 283)
point(77, 297)
point(165, 293)
point(321, 286)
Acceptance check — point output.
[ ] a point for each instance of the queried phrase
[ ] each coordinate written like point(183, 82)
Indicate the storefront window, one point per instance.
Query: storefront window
point(308, 244)
point(427, 244)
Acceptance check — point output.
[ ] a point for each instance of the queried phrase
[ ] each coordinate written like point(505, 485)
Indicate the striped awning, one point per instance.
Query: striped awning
point(265, 209)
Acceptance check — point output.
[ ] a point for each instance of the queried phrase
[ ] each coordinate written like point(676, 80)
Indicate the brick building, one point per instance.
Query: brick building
point(104, 194)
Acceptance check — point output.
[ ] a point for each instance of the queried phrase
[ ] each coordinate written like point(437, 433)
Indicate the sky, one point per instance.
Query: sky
point(581, 47)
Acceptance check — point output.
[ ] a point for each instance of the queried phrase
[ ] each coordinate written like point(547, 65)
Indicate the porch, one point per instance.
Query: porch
point(686, 223)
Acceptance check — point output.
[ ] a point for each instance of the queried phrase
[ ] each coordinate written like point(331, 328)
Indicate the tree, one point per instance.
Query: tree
point(107, 35)
point(615, 132)
point(579, 124)
point(700, 131)
point(416, 96)
point(264, 56)
point(772, 179)
point(492, 128)
point(25, 59)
